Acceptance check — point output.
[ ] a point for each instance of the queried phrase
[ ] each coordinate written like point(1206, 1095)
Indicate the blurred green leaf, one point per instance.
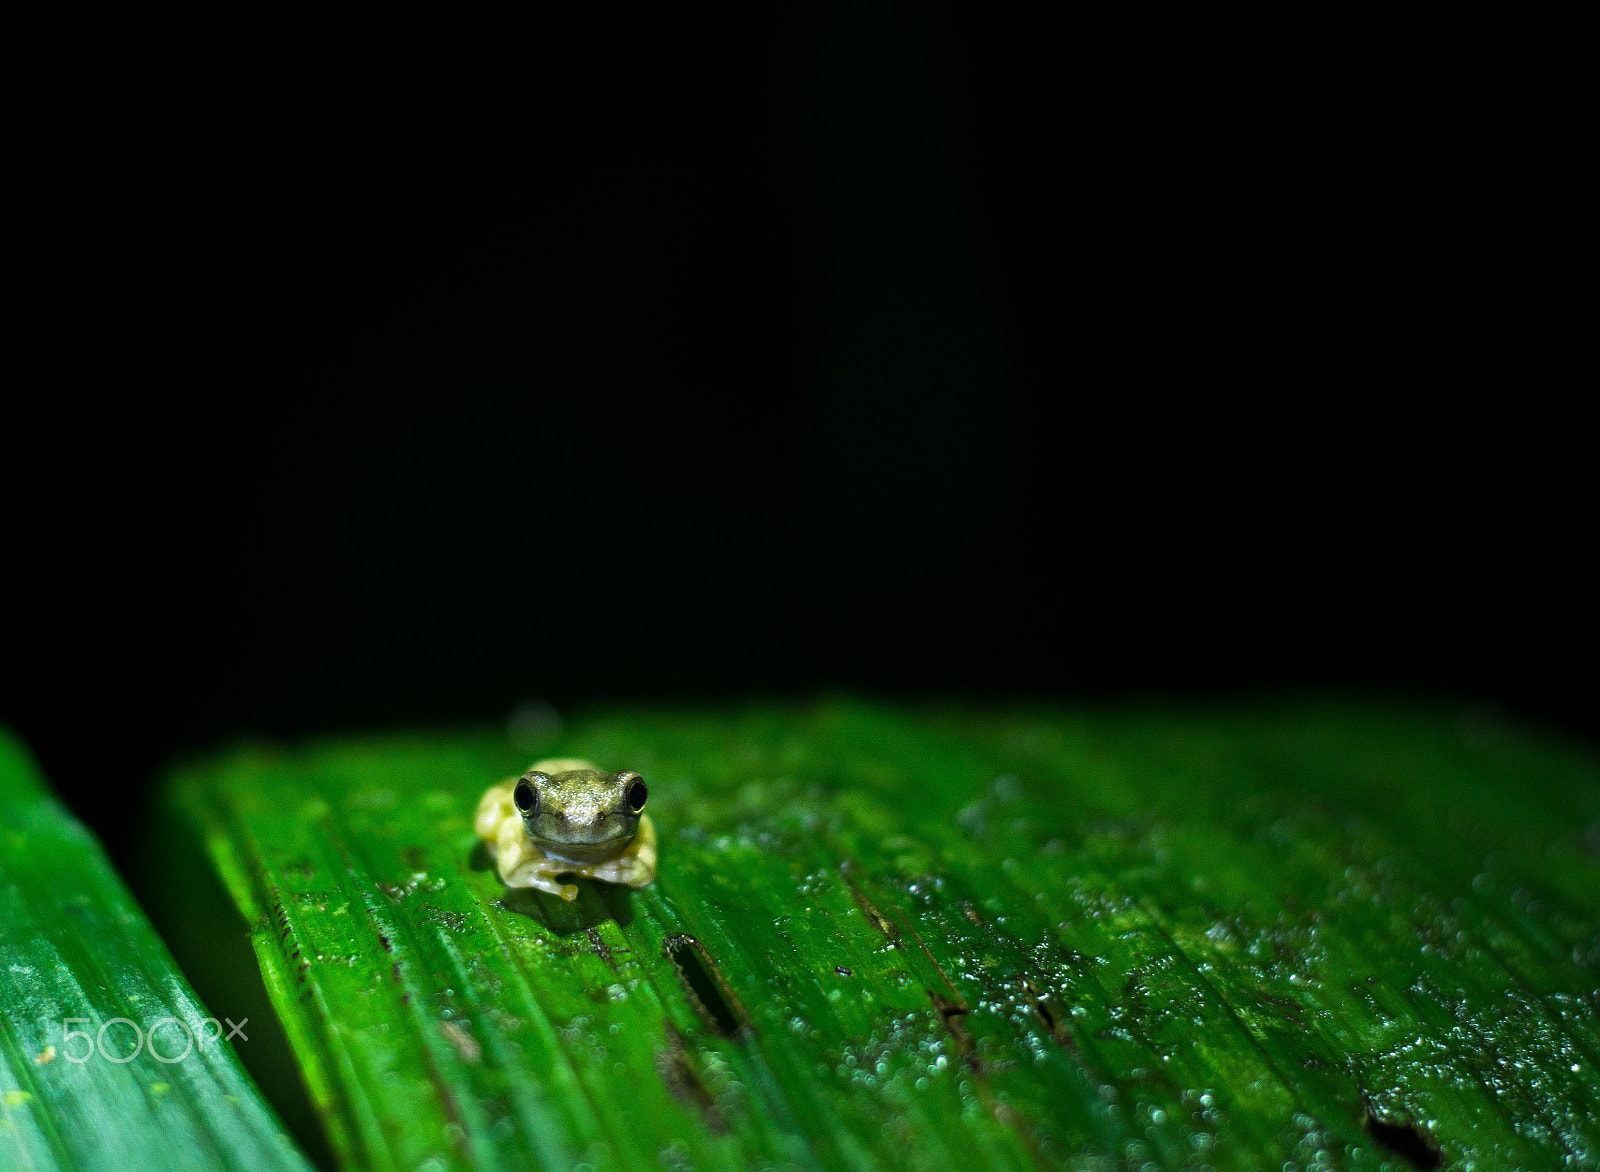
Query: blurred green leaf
point(1317, 936)
point(76, 953)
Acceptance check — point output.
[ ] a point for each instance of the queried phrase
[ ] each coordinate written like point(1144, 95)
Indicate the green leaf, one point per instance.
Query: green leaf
point(76, 953)
point(1316, 936)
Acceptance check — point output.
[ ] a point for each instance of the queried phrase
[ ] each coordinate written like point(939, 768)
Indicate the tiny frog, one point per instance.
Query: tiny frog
point(566, 816)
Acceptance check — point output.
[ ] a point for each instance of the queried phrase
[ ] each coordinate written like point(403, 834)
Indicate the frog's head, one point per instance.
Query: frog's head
point(585, 815)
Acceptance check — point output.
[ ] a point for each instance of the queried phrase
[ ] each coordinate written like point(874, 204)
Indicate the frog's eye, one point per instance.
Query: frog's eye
point(527, 798)
point(637, 795)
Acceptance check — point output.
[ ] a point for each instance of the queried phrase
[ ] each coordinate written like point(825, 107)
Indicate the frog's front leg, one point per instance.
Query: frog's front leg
point(636, 865)
point(540, 874)
point(522, 864)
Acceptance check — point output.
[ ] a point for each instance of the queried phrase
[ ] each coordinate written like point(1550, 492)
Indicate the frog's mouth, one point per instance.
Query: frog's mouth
point(584, 852)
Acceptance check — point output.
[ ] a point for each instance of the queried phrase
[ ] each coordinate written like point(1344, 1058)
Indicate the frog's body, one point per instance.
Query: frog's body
point(566, 816)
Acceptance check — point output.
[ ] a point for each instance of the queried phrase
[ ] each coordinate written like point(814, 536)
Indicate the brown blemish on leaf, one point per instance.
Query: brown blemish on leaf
point(683, 1082)
point(870, 910)
point(952, 1012)
point(462, 1041)
point(598, 945)
point(1047, 1014)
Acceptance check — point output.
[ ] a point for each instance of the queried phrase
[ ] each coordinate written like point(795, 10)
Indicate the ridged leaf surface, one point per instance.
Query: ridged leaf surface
point(76, 954)
point(1314, 936)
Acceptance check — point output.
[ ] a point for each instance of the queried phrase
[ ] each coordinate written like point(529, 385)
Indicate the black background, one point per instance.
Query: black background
point(392, 367)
